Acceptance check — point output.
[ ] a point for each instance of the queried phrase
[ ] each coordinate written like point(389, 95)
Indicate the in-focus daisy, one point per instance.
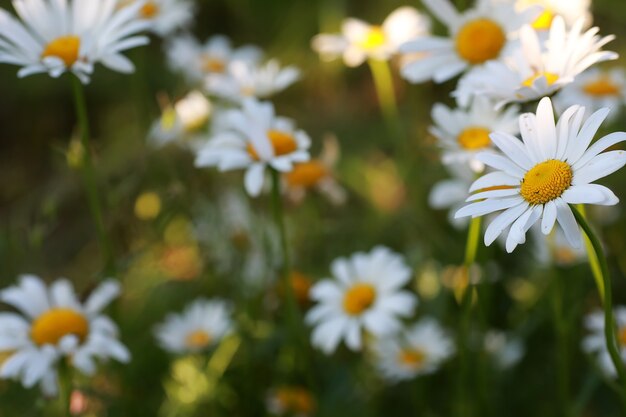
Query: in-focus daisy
point(539, 68)
point(254, 138)
point(595, 89)
point(291, 401)
point(201, 325)
point(476, 36)
point(359, 40)
point(70, 36)
point(54, 326)
point(505, 350)
point(419, 350)
point(595, 342)
point(363, 295)
point(536, 178)
point(194, 60)
point(243, 80)
point(464, 132)
point(569, 10)
point(165, 16)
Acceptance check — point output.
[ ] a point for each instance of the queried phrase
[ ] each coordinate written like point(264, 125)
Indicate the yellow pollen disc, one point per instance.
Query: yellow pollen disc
point(283, 144)
point(412, 357)
point(149, 10)
point(65, 48)
point(474, 138)
point(148, 206)
point(602, 87)
point(54, 324)
point(198, 339)
point(306, 174)
point(294, 400)
point(480, 40)
point(211, 64)
point(546, 181)
point(621, 336)
point(551, 78)
point(375, 38)
point(565, 256)
point(544, 21)
point(359, 298)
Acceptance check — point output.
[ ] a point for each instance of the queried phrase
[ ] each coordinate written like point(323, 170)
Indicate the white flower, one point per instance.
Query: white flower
point(165, 16)
point(202, 324)
point(595, 342)
point(464, 132)
point(194, 60)
point(505, 351)
point(359, 40)
point(569, 10)
point(450, 194)
point(554, 249)
point(254, 138)
point(476, 36)
point(537, 177)
point(243, 80)
point(55, 326)
point(363, 295)
point(595, 89)
point(420, 350)
point(539, 68)
point(56, 36)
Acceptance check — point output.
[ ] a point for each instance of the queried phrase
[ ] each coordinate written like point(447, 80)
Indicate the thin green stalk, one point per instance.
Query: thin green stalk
point(562, 351)
point(65, 388)
point(593, 259)
point(383, 81)
point(89, 177)
point(609, 320)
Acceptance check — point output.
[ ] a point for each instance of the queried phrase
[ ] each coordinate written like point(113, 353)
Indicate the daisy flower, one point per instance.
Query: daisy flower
point(201, 325)
point(464, 132)
point(595, 89)
point(360, 41)
point(58, 36)
point(569, 10)
point(363, 295)
point(420, 350)
point(195, 60)
point(536, 178)
point(53, 325)
point(554, 249)
point(595, 342)
point(476, 36)
point(242, 80)
point(291, 401)
point(538, 68)
point(505, 351)
point(450, 194)
point(165, 16)
point(254, 138)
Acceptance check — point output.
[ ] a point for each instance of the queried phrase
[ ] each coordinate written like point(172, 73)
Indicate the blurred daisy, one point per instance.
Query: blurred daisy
point(201, 325)
point(450, 194)
point(291, 401)
point(595, 89)
point(316, 174)
point(55, 326)
point(195, 60)
point(554, 249)
point(569, 10)
point(254, 139)
point(363, 295)
point(55, 37)
point(476, 36)
point(420, 350)
point(360, 41)
point(165, 16)
point(243, 80)
point(595, 342)
point(538, 177)
point(505, 351)
point(464, 132)
point(537, 69)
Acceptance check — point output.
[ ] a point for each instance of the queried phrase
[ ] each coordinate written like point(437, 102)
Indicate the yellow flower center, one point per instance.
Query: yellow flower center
point(551, 78)
point(198, 339)
point(621, 336)
point(212, 64)
point(544, 21)
point(54, 324)
point(301, 285)
point(474, 138)
point(480, 40)
point(602, 87)
point(295, 400)
point(412, 358)
point(306, 174)
point(375, 38)
point(359, 298)
point(546, 181)
point(148, 206)
point(65, 48)
point(149, 10)
point(564, 255)
point(283, 144)
point(181, 262)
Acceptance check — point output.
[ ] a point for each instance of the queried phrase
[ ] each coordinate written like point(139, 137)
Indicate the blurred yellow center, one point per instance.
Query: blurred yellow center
point(474, 138)
point(602, 87)
point(294, 400)
point(375, 38)
point(480, 40)
point(306, 174)
point(544, 21)
point(301, 285)
point(149, 10)
point(65, 48)
point(546, 181)
point(412, 358)
point(148, 206)
point(359, 298)
point(212, 64)
point(622, 336)
point(551, 78)
point(198, 339)
point(283, 144)
point(53, 325)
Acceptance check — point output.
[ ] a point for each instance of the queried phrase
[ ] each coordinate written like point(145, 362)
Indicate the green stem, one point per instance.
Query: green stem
point(609, 320)
point(593, 258)
point(383, 81)
point(562, 355)
point(65, 388)
point(89, 177)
